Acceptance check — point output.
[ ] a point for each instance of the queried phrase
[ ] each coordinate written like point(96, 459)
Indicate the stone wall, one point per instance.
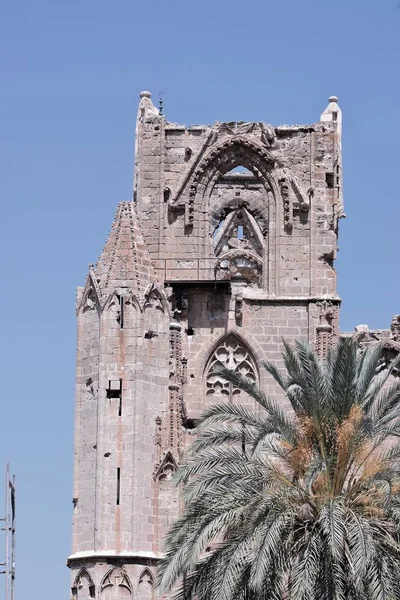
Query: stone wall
point(228, 248)
point(293, 189)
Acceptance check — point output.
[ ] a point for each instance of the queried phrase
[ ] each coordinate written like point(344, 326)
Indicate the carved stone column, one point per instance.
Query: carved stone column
point(324, 330)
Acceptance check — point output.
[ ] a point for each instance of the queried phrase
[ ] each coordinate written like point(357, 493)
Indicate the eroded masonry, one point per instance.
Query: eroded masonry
point(228, 246)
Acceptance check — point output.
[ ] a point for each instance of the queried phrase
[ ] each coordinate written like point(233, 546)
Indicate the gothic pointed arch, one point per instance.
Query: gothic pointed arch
point(233, 353)
point(155, 297)
point(230, 153)
point(146, 574)
point(239, 230)
point(111, 302)
point(131, 299)
point(112, 308)
point(122, 306)
point(234, 152)
point(146, 585)
point(166, 467)
point(239, 247)
point(113, 299)
point(216, 149)
point(90, 297)
point(89, 301)
point(115, 585)
point(83, 587)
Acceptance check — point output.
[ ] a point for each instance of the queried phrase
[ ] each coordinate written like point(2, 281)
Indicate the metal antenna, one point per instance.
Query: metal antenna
point(13, 522)
point(9, 536)
point(161, 104)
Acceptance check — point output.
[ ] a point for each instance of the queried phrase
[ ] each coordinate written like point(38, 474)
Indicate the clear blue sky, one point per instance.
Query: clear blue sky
point(71, 73)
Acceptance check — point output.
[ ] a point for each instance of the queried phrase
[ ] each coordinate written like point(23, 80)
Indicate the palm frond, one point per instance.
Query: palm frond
point(294, 505)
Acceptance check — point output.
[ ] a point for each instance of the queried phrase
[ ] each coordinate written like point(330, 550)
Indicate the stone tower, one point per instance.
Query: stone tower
point(228, 246)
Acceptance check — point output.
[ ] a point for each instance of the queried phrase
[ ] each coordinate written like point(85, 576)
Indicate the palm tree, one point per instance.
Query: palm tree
point(294, 505)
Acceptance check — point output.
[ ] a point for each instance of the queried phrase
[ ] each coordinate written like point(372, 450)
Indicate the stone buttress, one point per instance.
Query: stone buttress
point(228, 246)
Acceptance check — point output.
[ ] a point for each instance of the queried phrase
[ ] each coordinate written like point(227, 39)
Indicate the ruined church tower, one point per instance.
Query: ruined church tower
point(227, 247)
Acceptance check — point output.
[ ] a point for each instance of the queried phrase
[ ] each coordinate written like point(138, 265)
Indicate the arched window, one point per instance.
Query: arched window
point(233, 354)
point(240, 169)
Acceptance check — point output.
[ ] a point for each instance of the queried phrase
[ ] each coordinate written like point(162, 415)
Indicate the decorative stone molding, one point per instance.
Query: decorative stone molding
point(239, 265)
point(155, 298)
point(147, 577)
point(233, 354)
point(233, 151)
point(166, 467)
point(287, 203)
point(290, 189)
point(90, 297)
point(146, 109)
point(90, 301)
point(247, 151)
point(158, 434)
point(395, 328)
point(175, 387)
point(239, 309)
point(324, 330)
point(257, 211)
point(83, 587)
point(268, 134)
point(145, 586)
point(226, 237)
point(116, 578)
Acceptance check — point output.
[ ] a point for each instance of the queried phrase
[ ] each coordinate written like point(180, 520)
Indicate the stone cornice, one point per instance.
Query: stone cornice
point(127, 556)
point(262, 295)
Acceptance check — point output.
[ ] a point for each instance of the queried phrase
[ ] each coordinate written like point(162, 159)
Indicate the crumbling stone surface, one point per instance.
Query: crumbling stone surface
point(389, 339)
point(228, 247)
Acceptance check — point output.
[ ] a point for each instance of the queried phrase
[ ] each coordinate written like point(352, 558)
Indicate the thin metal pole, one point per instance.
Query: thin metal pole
point(13, 524)
point(7, 531)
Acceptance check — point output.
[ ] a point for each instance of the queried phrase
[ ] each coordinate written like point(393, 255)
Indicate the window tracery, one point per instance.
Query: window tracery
point(83, 588)
point(116, 585)
point(154, 299)
point(166, 468)
point(233, 354)
point(238, 231)
point(90, 301)
point(146, 585)
point(238, 244)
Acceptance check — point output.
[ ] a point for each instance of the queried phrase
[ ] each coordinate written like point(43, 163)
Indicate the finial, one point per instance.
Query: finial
point(145, 94)
point(161, 104)
point(333, 113)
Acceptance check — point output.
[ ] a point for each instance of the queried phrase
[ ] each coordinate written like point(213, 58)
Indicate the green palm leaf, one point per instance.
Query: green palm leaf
point(299, 505)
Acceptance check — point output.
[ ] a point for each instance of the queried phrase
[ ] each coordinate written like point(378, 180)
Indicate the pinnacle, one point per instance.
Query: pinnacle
point(125, 262)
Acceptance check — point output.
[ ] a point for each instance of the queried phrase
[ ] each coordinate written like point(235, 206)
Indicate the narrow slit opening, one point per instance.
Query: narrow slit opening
point(243, 440)
point(118, 485)
point(121, 312)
